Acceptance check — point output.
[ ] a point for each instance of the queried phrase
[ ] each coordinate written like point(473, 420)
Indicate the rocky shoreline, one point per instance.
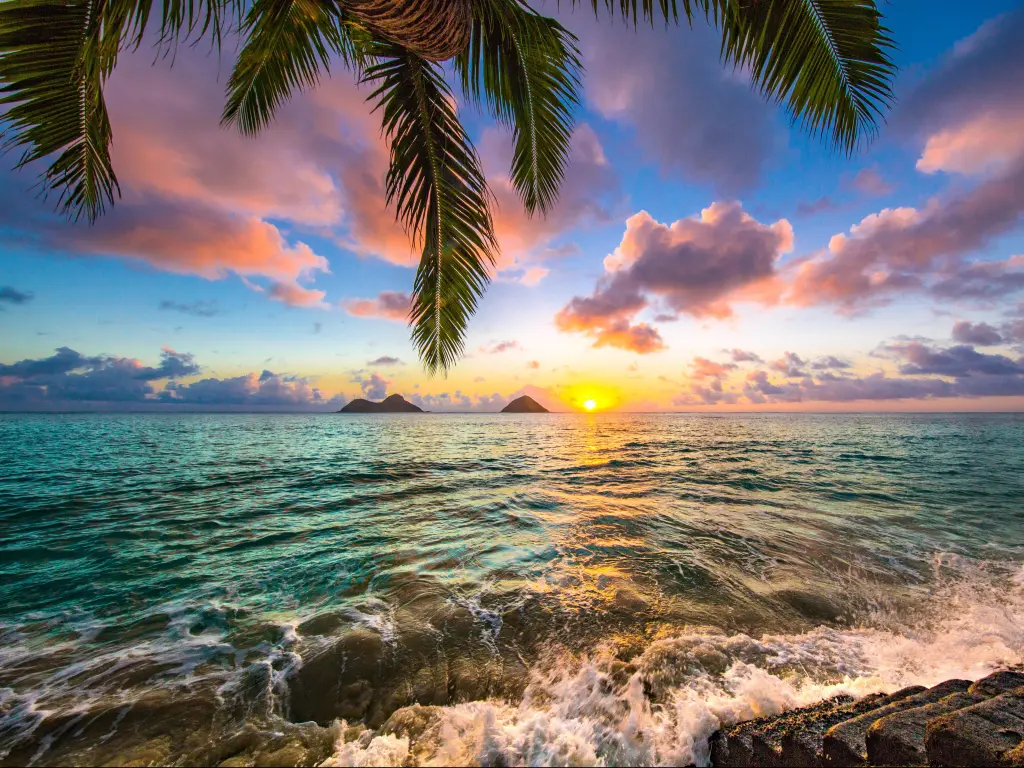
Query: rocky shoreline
point(955, 723)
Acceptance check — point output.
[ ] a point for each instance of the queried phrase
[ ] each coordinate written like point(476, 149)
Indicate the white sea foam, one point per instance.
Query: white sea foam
point(661, 709)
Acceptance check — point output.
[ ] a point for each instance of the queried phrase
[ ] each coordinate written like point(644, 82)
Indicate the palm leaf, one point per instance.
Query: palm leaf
point(827, 59)
point(288, 42)
point(51, 72)
point(526, 68)
point(441, 197)
point(648, 10)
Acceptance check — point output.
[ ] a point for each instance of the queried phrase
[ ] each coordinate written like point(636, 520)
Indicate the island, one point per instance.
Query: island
point(524, 404)
point(390, 404)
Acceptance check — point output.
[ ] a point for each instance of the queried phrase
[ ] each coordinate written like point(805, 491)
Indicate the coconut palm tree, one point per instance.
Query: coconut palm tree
point(827, 60)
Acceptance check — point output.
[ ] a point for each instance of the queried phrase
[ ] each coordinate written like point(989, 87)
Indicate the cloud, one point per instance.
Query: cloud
point(900, 250)
point(389, 305)
point(10, 295)
point(498, 347)
point(744, 356)
point(195, 308)
point(959, 361)
point(190, 240)
point(708, 126)
point(814, 207)
point(969, 113)
point(317, 327)
point(695, 266)
point(385, 360)
point(869, 181)
point(534, 364)
point(978, 334)
point(267, 389)
point(830, 362)
point(375, 386)
point(533, 275)
point(790, 365)
point(67, 375)
point(70, 380)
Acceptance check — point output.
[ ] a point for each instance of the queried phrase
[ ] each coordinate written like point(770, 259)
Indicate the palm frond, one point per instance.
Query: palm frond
point(526, 68)
point(438, 188)
point(648, 10)
point(288, 43)
point(828, 60)
point(52, 66)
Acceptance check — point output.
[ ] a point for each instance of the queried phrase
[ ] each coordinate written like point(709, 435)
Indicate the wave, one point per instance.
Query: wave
point(660, 706)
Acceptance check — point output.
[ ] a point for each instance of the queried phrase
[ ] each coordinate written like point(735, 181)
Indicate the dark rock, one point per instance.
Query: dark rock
point(339, 682)
point(390, 404)
point(845, 744)
point(803, 746)
point(898, 739)
point(986, 734)
point(759, 742)
point(997, 683)
point(524, 404)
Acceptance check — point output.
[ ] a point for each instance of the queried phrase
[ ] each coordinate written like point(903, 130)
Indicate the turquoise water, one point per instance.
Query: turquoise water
point(562, 588)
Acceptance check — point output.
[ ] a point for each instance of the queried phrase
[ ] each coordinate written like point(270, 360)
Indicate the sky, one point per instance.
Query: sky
point(704, 254)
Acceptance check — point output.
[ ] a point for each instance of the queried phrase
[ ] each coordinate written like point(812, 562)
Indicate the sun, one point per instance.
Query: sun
point(590, 404)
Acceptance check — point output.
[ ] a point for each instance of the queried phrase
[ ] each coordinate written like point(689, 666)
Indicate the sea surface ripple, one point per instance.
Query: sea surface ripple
point(535, 589)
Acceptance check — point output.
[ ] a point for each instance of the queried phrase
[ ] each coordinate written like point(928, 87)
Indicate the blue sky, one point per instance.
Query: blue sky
point(267, 264)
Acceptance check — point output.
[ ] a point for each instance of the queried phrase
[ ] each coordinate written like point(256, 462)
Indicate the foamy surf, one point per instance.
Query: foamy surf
point(661, 707)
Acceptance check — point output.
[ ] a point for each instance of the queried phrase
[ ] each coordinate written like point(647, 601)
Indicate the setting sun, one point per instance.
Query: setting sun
point(590, 404)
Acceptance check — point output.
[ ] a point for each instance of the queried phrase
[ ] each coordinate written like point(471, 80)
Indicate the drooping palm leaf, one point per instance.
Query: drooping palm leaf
point(526, 68)
point(827, 60)
point(288, 43)
point(55, 56)
point(440, 194)
point(51, 72)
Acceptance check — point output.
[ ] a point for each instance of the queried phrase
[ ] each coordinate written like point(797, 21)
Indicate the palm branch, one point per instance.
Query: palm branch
point(526, 69)
point(827, 60)
point(440, 195)
point(287, 43)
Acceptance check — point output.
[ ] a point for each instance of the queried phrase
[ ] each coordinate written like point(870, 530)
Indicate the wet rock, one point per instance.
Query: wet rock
point(803, 746)
point(793, 738)
point(845, 744)
point(986, 734)
point(322, 624)
point(898, 739)
point(997, 683)
point(338, 682)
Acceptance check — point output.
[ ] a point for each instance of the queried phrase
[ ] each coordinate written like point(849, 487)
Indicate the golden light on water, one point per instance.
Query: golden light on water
point(590, 404)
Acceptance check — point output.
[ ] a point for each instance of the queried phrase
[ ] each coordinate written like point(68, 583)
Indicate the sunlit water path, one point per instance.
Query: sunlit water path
point(564, 588)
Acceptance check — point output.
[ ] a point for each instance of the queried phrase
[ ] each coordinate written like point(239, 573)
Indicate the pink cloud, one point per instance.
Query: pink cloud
point(925, 250)
point(980, 144)
point(499, 347)
point(207, 243)
point(869, 181)
point(388, 305)
point(697, 266)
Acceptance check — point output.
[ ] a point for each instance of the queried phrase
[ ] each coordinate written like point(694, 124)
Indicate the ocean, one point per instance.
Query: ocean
point(562, 589)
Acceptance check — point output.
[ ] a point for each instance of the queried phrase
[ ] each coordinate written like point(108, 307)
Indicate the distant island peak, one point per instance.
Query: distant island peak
point(524, 404)
point(390, 404)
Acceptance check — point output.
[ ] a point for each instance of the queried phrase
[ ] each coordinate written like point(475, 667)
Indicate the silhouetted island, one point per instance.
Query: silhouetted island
point(524, 404)
point(390, 404)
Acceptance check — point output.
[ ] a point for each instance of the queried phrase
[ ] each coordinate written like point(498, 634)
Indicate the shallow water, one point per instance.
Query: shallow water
point(560, 589)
